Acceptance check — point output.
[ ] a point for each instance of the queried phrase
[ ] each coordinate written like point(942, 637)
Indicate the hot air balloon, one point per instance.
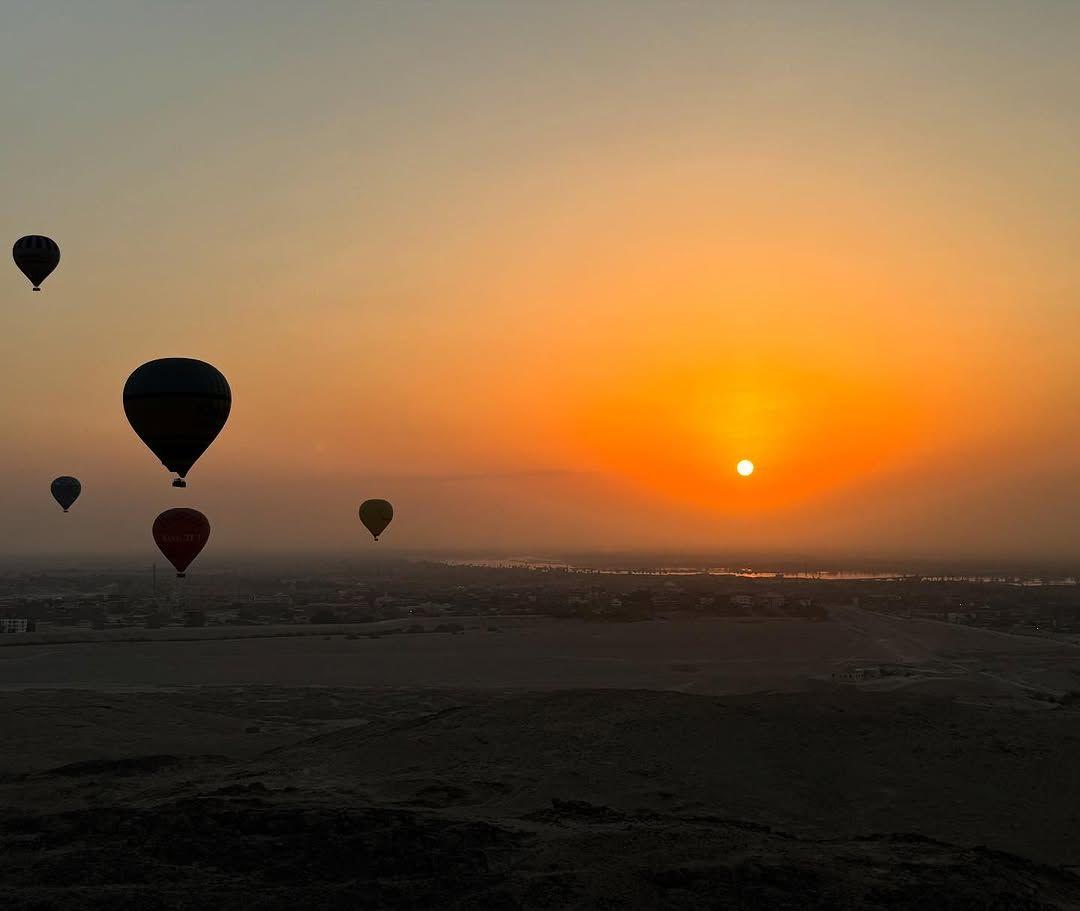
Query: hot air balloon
point(66, 490)
point(376, 515)
point(180, 535)
point(36, 257)
point(177, 406)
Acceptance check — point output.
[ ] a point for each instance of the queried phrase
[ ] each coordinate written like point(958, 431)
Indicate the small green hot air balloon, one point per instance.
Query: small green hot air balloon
point(376, 515)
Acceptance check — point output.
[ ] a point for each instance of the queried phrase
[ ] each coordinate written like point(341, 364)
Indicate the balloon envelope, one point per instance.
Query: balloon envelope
point(180, 535)
point(177, 406)
point(66, 490)
point(376, 515)
point(36, 256)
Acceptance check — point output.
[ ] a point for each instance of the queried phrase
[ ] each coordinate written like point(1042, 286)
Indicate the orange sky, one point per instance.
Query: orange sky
point(543, 277)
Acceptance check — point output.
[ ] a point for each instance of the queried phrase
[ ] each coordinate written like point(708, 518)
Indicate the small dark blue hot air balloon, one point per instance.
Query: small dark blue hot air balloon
point(36, 256)
point(66, 490)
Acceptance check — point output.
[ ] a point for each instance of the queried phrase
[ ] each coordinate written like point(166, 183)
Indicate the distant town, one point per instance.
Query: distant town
point(426, 595)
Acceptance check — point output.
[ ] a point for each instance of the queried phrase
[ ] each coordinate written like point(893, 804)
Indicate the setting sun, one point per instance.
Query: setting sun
point(745, 468)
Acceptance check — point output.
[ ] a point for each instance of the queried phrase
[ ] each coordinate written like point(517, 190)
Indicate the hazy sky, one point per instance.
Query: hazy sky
point(542, 273)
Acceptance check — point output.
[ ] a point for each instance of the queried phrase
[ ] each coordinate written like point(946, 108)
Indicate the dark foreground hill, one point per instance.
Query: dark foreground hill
point(580, 799)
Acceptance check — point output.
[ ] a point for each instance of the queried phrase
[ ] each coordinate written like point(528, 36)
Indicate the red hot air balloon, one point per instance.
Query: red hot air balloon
point(180, 535)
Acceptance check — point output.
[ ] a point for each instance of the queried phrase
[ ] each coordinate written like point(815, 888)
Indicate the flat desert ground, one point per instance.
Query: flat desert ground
point(536, 763)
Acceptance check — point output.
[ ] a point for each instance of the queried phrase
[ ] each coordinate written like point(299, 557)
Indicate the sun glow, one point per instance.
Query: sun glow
point(745, 468)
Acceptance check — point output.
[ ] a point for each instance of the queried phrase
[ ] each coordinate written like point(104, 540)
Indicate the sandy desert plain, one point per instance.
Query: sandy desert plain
point(538, 763)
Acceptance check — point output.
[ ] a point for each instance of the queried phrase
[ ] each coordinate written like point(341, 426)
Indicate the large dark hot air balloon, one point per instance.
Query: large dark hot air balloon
point(180, 535)
point(376, 515)
point(177, 406)
point(66, 490)
point(36, 257)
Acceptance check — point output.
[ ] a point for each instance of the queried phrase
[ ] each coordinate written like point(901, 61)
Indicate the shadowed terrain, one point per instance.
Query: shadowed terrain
point(353, 798)
point(659, 765)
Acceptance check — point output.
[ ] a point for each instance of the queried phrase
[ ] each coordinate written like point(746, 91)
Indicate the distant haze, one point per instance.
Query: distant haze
point(541, 274)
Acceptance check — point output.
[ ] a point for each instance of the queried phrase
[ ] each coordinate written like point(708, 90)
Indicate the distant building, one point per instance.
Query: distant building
point(857, 674)
point(16, 625)
point(279, 598)
point(635, 605)
point(774, 600)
